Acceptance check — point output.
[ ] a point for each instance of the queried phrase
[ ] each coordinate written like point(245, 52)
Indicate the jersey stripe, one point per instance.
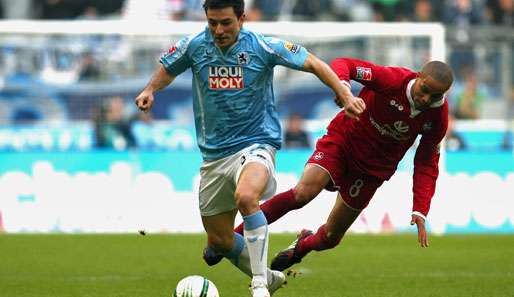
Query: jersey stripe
point(202, 109)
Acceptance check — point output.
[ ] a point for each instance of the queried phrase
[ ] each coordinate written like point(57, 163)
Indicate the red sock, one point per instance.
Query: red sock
point(276, 207)
point(316, 242)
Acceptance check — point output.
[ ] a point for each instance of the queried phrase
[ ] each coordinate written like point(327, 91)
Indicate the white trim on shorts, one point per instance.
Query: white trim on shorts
point(269, 158)
point(329, 175)
point(223, 174)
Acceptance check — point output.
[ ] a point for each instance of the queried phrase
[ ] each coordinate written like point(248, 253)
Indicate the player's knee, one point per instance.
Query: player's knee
point(246, 201)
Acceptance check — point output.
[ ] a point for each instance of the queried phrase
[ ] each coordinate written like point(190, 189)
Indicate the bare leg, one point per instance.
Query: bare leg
point(313, 180)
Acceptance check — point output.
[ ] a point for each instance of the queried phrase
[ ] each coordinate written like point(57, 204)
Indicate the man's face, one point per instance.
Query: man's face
point(426, 90)
point(224, 26)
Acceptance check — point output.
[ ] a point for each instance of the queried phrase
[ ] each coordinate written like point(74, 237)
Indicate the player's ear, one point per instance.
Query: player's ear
point(242, 18)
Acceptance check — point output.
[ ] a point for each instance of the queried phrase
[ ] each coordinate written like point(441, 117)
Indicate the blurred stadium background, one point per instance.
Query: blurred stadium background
point(76, 156)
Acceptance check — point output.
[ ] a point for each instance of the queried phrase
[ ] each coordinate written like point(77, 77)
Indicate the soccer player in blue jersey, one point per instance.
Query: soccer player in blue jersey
point(237, 127)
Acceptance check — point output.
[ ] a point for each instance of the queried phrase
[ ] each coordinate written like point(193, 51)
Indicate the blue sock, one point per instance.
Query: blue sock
point(237, 248)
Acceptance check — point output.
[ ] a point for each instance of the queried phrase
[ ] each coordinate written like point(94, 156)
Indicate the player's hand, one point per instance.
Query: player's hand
point(144, 101)
point(353, 106)
point(422, 232)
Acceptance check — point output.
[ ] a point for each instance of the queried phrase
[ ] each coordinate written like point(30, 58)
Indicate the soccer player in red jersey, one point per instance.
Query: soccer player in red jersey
point(357, 155)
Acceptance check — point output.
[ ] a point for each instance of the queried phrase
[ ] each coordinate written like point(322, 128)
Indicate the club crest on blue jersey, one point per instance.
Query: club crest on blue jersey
point(243, 58)
point(226, 78)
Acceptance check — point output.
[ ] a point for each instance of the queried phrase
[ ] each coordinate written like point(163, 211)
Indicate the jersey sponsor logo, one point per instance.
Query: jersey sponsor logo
point(364, 73)
point(401, 126)
point(397, 131)
point(318, 156)
point(243, 58)
point(294, 48)
point(226, 78)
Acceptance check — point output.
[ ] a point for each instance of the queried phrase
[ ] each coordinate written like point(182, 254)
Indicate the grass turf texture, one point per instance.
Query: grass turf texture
point(363, 266)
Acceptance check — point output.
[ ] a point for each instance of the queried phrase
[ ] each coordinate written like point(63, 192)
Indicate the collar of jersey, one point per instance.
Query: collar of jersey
point(413, 111)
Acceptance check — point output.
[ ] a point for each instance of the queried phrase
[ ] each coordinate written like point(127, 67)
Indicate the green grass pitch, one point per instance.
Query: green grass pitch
point(150, 266)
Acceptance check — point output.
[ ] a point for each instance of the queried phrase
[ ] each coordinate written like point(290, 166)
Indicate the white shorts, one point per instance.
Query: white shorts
point(218, 179)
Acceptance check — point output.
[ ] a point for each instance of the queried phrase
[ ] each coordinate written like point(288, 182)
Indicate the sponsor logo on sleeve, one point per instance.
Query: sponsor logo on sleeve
point(226, 78)
point(171, 50)
point(364, 73)
point(294, 48)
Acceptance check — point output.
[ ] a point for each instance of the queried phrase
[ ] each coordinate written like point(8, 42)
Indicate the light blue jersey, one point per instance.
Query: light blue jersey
point(233, 99)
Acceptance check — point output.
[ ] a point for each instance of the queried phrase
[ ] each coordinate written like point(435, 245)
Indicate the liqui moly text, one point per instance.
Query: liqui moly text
point(226, 77)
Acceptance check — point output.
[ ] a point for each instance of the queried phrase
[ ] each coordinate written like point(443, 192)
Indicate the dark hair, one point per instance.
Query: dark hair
point(440, 71)
point(237, 5)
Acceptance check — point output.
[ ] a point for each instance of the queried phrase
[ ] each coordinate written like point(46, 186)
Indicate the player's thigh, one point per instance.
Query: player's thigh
point(253, 179)
point(255, 176)
point(250, 187)
point(219, 228)
point(314, 179)
point(341, 218)
point(355, 192)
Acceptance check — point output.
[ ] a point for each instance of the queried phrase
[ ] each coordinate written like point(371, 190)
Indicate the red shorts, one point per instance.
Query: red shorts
point(355, 187)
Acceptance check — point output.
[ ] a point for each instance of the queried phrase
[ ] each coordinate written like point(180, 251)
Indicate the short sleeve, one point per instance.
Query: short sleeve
point(176, 59)
point(284, 52)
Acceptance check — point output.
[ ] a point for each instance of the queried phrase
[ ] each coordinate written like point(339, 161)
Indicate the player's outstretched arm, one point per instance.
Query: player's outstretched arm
point(353, 106)
point(160, 79)
point(422, 232)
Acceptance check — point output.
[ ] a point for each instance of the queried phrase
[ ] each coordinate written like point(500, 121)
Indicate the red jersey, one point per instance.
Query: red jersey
point(390, 125)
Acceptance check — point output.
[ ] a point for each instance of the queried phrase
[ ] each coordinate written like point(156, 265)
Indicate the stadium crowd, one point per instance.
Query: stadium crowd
point(474, 87)
point(460, 12)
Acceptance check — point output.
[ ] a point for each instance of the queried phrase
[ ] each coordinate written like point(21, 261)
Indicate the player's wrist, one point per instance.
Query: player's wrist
point(346, 84)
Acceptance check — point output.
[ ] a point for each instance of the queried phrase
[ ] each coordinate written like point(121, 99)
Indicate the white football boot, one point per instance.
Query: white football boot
point(276, 279)
point(258, 289)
